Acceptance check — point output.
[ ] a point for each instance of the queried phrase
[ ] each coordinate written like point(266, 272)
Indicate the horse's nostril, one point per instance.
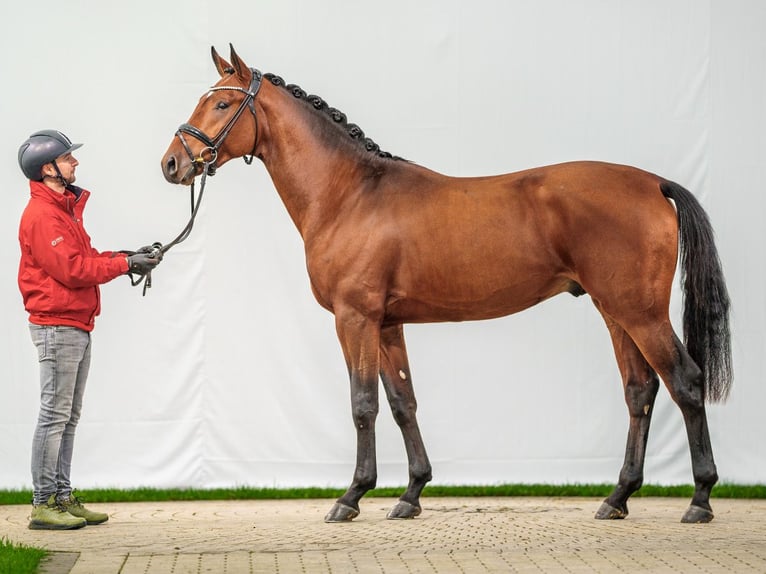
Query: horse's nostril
point(170, 166)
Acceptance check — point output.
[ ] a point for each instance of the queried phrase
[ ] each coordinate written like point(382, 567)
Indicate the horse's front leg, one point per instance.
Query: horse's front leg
point(397, 381)
point(360, 339)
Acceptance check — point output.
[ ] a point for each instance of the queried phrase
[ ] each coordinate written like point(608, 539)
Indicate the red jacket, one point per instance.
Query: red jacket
point(59, 271)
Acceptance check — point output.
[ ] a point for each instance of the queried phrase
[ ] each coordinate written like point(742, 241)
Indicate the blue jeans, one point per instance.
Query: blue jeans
point(64, 355)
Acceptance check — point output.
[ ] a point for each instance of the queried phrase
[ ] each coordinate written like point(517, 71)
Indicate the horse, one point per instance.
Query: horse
point(389, 242)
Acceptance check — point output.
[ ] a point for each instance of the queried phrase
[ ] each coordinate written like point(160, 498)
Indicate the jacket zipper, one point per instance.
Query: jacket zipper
point(83, 244)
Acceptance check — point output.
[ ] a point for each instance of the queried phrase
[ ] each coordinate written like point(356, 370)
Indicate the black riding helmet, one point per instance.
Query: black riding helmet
point(43, 147)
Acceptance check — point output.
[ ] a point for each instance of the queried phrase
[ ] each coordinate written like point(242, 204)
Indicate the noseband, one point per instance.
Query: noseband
point(213, 144)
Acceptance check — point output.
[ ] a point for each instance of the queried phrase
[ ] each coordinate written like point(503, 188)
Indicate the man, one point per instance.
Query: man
point(59, 277)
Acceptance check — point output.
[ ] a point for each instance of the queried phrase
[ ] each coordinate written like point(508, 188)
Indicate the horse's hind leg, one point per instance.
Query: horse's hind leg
point(683, 378)
point(397, 382)
point(640, 383)
point(684, 381)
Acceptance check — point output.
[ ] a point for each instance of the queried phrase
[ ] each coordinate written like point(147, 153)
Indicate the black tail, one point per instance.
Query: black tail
point(706, 300)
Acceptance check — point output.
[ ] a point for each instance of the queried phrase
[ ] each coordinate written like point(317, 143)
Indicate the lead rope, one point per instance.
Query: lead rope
point(158, 248)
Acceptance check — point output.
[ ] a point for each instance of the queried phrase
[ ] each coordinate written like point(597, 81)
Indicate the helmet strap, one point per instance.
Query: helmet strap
point(58, 175)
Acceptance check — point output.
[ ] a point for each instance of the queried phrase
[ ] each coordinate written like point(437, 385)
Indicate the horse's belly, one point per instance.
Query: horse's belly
point(472, 304)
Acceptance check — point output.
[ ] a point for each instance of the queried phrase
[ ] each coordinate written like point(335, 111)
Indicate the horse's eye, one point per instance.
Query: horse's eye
point(221, 105)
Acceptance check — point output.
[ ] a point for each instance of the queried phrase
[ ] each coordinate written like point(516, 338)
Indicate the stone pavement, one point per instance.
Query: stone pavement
point(463, 535)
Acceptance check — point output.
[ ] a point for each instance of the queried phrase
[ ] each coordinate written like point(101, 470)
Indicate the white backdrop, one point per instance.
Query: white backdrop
point(228, 373)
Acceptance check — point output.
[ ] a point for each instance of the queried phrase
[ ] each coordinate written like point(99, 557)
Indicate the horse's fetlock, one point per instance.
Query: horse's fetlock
point(706, 478)
point(421, 473)
point(366, 483)
point(630, 482)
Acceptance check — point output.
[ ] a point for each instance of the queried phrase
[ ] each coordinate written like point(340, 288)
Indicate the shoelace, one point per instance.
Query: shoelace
point(57, 505)
point(72, 501)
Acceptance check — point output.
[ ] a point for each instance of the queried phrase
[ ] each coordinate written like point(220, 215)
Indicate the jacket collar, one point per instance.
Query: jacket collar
point(65, 201)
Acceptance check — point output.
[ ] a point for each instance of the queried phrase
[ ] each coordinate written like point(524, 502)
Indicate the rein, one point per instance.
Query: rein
point(208, 166)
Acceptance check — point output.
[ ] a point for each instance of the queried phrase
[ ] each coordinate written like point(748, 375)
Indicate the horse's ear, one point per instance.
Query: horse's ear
point(221, 65)
point(240, 67)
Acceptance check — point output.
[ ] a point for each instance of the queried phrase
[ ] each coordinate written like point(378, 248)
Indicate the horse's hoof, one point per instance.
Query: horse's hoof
point(341, 513)
point(609, 512)
point(403, 510)
point(697, 515)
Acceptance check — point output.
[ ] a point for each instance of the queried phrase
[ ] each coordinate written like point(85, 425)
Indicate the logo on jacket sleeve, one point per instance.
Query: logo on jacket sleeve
point(58, 240)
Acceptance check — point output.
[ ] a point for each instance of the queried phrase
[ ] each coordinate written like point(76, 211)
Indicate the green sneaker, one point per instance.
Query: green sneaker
point(51, 516)
point(73, 506)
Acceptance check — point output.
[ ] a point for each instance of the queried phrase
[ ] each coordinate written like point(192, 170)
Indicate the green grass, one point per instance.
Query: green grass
point(247, 493)
point(18, 558)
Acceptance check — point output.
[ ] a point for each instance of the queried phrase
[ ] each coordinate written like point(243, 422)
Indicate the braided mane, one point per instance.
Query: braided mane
point(336, 116)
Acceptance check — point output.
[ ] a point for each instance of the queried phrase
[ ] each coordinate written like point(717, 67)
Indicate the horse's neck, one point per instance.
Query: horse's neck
point(303, 168)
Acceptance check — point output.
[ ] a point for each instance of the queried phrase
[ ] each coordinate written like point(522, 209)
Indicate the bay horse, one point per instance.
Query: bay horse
point(389, 242)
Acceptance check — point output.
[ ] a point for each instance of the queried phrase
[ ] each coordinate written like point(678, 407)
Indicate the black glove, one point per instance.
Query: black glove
point(142, 263)
point(155, 249)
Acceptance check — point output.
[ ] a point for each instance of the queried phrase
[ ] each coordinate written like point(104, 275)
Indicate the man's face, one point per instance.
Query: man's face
point(66, 164)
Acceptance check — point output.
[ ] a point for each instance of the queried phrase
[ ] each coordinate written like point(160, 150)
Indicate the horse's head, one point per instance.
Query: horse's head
point(216, 131)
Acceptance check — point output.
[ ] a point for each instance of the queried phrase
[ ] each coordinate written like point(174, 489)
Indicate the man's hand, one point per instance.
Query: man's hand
point(155, 249)
point(142, 263)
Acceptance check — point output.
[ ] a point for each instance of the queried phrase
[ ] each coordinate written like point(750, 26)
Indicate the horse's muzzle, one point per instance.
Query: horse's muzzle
point(176, 172)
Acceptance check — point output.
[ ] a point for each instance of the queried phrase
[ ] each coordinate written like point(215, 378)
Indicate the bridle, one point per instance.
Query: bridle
point(208, 165)
point(213, 144)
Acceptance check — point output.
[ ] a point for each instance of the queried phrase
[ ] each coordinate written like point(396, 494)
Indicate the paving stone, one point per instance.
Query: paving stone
point(466, 535)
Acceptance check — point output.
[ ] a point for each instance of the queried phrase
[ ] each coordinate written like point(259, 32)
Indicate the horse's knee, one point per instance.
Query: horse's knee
point(364, 419)
point(364, 410)
point(401, 400)
point(403, 411)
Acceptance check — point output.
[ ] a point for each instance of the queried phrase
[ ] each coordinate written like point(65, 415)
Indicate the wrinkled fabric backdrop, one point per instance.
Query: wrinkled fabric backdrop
point(228, 373)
